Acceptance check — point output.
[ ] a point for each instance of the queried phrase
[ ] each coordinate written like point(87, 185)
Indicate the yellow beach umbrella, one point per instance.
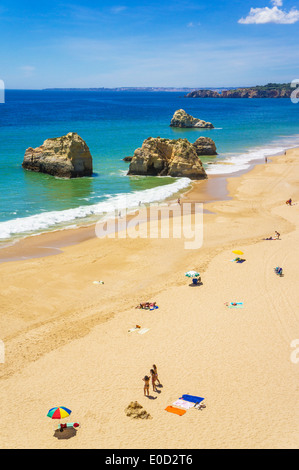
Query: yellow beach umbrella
point(238, 252)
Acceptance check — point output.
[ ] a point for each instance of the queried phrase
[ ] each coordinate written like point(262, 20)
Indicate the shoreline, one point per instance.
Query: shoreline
point(51, 243)
point(239, 361)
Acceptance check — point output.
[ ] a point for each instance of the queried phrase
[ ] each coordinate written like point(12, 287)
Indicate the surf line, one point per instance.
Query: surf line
point(114, 460)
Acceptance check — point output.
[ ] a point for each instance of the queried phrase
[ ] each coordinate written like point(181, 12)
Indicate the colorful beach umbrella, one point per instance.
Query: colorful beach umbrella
point(192, 274)
point(59, 412)
point(238, 252)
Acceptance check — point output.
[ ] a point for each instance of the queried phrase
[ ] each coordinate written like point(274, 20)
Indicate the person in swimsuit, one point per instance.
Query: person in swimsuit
point(277, 235)
point(146, 380)
point(153, 379)
point(156, 373)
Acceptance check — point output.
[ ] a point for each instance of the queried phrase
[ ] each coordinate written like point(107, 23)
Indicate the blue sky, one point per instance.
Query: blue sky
point(154, 43)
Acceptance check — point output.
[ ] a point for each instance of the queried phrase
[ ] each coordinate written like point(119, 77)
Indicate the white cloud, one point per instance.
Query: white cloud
point(192, 25)
point(271, 15)
point(277, 3)
point(119, 9)
point(27, 70)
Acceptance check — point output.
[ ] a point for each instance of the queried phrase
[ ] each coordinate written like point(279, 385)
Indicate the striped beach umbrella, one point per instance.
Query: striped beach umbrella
point(59, 412)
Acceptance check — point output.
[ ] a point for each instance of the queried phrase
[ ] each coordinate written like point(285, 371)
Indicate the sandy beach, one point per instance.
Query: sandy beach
point(67, 341)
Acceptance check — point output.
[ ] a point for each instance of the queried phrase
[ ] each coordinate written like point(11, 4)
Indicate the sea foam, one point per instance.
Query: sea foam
point(56, 220)
point(242, 161)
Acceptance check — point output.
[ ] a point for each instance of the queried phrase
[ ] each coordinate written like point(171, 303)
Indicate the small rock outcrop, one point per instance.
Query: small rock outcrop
point(165, 157)
point(182, 119)
point(136, 411)
point(205, 146)
point(127, 159)
point(66, 157)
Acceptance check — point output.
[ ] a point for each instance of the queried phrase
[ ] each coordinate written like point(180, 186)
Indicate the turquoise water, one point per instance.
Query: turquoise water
point(114, 124)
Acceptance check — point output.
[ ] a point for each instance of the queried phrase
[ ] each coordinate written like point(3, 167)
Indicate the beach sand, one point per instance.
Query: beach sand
point(67, 341)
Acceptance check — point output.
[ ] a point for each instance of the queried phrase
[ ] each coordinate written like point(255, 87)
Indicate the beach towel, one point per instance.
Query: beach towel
point(192, 398)
point(68, 425)
point(154, 308)
point(238, 305)
point(176, 411)
point(184, 404)
point(143, 330)
point(133, 329)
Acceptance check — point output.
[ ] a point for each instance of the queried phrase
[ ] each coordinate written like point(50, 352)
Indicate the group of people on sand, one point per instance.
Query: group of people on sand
point(147, 305)
point(155, 379)
point(276, 236)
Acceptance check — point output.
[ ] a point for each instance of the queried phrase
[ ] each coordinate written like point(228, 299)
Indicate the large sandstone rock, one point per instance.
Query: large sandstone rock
point(136, 411)
point(67, 157)
point(182, 119)
point(165, 157)
point(205, 146)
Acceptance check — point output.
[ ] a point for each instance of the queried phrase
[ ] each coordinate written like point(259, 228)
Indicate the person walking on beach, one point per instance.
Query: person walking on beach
point(156, 373)
point(146, 380)
point(289, 202)
point(153, 379)
point(266, 160)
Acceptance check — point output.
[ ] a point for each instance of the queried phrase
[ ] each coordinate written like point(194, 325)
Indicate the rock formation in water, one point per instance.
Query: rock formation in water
point(182, 119)
point(165, 157)
point(205, 146)
point(66, 157)
point(127, 159)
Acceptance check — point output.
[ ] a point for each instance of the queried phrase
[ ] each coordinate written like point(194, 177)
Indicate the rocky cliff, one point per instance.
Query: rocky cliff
point(205, 146)
point(165, 157)
point(255, 92)
point(66, 157)
point(182, 119)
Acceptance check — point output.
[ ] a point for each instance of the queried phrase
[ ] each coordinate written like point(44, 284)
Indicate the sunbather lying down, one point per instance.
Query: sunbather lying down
point(233, 304)
point(239, 260)
point(276, 237)
point(62, 426)
point(147, 305)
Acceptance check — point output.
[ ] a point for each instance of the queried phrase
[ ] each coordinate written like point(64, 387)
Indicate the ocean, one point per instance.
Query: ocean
point(114, 124)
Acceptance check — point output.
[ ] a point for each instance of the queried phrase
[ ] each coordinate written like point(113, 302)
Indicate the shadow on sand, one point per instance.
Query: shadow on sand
point(65, 434)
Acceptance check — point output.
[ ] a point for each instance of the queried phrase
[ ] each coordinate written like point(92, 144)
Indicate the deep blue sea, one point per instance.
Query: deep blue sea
point(114, 124)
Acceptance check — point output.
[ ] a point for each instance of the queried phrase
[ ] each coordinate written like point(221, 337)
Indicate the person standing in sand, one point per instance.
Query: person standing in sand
point(146, 380)
point(156, 373)
point(153, 379)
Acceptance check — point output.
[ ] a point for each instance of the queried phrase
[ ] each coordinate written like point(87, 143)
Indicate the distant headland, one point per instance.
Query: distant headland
point(136, 89)
point(271, 90)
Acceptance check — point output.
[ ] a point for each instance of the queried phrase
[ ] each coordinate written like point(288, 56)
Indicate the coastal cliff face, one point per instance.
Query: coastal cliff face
point(242, 93)
point(165, 157)
point(66, 157)
point(182, 119)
